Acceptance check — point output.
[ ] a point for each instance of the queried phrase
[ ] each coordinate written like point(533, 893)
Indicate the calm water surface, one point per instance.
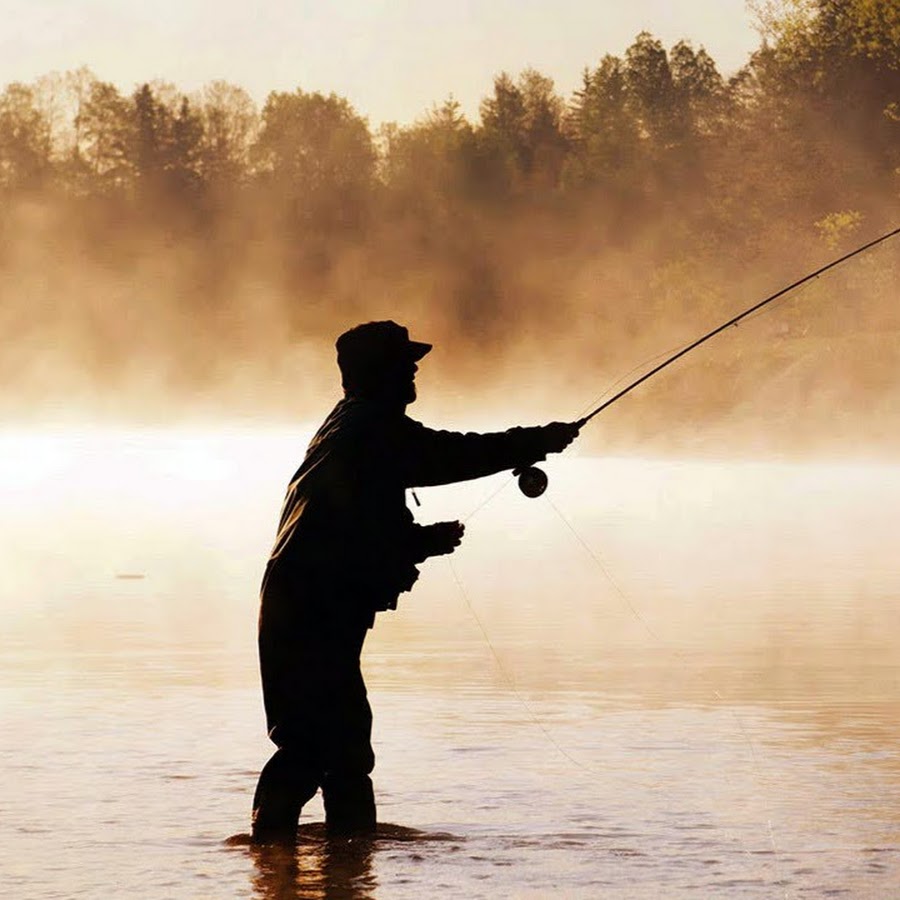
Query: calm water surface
point(664, 679)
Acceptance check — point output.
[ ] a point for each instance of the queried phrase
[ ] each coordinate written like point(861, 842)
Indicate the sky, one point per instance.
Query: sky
point(392, 59)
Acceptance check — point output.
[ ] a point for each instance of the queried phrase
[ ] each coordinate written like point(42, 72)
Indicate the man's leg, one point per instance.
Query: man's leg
point(286, 782)
point(346, 786)
point(349, 804)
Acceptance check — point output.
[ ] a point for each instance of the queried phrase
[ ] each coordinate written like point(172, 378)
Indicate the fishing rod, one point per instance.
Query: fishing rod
point(533, 481)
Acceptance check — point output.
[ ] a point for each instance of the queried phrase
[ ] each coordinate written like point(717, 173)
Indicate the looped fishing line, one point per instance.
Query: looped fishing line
point(548, 734)
point(669, 357)
point(676, 654)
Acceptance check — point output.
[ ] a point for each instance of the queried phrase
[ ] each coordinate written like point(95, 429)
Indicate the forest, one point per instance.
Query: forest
point(157, 245)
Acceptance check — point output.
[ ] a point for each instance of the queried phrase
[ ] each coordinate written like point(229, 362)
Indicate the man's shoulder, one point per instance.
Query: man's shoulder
point(348, 415)
point(357, 420)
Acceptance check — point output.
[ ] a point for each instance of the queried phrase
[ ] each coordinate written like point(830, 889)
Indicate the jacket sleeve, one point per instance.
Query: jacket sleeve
point(428, 457)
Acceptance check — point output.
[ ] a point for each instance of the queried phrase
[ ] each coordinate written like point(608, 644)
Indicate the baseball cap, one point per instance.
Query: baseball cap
point(373, 345)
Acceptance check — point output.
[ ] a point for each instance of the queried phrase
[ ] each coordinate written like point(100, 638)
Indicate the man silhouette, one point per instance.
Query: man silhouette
point(347, 547)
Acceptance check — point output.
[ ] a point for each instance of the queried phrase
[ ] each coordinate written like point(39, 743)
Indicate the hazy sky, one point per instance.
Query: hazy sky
point(392, 60)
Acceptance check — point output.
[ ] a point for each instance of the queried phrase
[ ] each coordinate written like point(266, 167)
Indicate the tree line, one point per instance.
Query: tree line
point(656, 156)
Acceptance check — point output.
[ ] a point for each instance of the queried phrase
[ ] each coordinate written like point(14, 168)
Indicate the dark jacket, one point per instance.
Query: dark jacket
point(346, 541)
point(347, 545)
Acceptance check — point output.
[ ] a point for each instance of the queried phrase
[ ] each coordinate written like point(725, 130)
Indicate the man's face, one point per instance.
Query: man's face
point(400, 381)
point(410, 382)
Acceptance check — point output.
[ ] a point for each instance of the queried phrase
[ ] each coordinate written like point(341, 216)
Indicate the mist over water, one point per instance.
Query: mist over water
point(715, 712)
point(179, 256)
point(674, 675)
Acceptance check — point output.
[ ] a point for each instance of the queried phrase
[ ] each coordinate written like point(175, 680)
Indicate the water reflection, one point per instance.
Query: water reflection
point(317, 868)
point(324, 868)
point(765, 686)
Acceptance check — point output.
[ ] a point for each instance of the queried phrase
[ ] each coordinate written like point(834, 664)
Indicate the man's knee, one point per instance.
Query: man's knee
point(348, 738)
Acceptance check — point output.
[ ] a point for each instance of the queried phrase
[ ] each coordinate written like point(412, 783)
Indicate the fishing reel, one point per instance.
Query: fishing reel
point(532, 481)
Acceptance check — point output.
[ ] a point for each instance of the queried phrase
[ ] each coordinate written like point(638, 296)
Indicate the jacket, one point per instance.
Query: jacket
point(347, 544)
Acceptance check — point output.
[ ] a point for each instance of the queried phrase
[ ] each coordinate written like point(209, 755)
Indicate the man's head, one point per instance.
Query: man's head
point(379, 359)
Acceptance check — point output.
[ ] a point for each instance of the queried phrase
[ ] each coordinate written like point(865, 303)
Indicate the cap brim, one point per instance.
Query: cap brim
point(417, 349)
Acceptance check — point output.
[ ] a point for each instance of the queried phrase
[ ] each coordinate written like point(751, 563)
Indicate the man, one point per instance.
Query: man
point(347, 547)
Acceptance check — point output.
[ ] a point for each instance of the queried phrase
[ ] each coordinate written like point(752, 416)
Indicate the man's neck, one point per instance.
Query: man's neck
point(386, 400)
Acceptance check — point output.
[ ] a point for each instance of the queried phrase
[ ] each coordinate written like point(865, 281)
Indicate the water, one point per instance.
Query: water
point(665, 679)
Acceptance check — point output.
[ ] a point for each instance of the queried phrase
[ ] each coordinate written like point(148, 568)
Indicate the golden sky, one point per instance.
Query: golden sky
point(392, 60)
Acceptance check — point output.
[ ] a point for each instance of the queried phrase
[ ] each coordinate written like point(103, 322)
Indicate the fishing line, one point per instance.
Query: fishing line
point(675, 653)
point(752, 312)
point(672, 357)
point(536, 719)
point(533, 481)
point(508, 678)
point(505, 484)
point(545, 730)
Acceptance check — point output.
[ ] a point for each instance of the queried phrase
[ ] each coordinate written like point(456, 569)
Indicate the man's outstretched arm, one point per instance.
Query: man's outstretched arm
point(429, 457)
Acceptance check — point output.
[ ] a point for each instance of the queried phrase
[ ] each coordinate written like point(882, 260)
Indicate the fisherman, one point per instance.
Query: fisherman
point(347, 547)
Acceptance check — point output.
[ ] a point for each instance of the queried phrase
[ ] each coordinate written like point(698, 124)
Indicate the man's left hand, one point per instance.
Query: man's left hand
point(442, 537)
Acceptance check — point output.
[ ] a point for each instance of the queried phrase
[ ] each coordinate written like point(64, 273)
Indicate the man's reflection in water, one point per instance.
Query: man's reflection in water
point(317, 867)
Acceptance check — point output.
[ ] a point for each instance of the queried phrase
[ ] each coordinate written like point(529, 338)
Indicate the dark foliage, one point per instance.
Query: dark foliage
point(138, 221)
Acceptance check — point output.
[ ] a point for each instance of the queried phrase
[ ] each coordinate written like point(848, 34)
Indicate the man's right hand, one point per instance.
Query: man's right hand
point(442, 537)
point(558, 435)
